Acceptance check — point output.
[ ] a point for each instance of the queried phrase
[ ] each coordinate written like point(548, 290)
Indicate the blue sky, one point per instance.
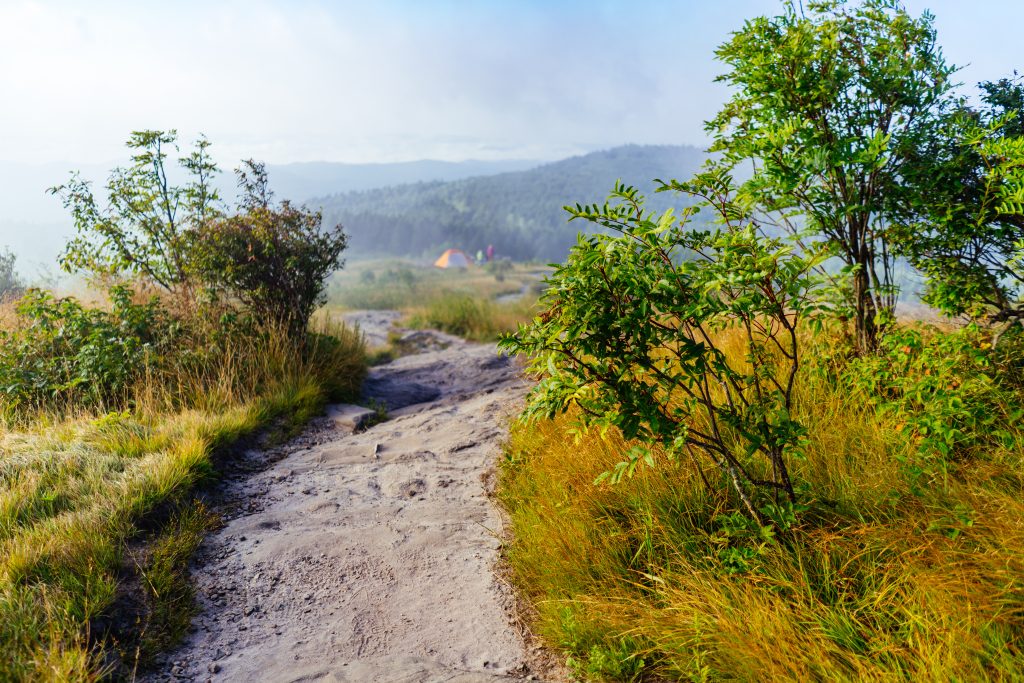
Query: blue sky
point(387, 81)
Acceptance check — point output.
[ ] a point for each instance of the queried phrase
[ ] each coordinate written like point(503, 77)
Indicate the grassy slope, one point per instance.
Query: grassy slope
point(74, 492)
point(880, 581)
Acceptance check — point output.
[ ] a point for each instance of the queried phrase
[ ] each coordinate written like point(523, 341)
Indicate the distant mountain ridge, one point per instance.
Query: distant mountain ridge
point(35, 226)
point(304, 180)
point(412, 208)
point(520, 212)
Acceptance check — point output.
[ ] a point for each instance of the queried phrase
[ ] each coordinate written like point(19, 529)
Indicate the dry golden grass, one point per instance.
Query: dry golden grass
point(74, 490)
point(877, 583)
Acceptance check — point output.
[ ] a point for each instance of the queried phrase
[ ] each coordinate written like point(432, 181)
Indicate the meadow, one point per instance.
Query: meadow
point(478, 303)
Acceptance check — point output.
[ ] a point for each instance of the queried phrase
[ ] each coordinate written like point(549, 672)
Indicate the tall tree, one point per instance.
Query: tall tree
point(828, 101)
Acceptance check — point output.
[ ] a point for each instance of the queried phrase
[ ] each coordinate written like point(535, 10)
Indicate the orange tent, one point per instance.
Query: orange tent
point(454, 258)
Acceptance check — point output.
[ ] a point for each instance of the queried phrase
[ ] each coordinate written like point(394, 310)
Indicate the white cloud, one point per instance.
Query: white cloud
point(352, 81)
point(383, 80)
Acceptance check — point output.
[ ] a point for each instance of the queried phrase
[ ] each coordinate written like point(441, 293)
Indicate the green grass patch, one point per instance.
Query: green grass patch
point(469, 316)
point(166, 587)
point(469, 303)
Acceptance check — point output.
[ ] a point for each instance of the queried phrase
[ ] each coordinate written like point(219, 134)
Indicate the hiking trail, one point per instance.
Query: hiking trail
point(369, 555)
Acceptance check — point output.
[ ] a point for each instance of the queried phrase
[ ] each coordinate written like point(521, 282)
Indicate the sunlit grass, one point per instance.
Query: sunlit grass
point(470, 317)
point(75, 490)
point(877, 583)
point(471, 303)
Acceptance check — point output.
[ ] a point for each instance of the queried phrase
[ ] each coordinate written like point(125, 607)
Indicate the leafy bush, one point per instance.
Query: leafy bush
point(66, 353)
point(265, 267)
point(946, 390)
point(145, 228)
point(273, 258)
point(966, 234)
point(635, 334)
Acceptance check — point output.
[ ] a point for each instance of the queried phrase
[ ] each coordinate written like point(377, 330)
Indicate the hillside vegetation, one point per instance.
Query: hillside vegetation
point(519, 213)
point(114, 416)
point(738, 464)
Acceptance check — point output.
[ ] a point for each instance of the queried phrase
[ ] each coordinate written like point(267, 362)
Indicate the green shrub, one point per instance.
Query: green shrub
point(637, 327)
point(275, 259)
point(66, 353)
point(946, 390)
point(146, 227)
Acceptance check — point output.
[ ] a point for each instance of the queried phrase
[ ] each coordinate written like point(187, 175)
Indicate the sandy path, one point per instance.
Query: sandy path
point(369, 556)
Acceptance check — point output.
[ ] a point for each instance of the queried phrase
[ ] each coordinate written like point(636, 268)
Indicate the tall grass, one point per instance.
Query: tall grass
point(465, 303)
point(75, 491)
point(885, 578)
point(469, 316)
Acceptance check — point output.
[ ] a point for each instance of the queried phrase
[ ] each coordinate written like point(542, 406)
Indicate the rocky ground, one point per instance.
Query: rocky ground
point(369, 555)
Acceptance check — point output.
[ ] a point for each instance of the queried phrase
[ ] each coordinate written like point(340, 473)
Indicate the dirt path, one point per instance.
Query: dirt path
point(369, 556)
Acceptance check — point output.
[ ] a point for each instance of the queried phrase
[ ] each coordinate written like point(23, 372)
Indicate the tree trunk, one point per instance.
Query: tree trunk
point(865, 327)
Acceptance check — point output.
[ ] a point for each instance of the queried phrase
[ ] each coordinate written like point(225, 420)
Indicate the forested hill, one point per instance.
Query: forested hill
point(300, 181)
point(519, 213)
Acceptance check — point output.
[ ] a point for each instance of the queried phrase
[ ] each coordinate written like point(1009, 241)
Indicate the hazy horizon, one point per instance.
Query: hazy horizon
point(394, 81)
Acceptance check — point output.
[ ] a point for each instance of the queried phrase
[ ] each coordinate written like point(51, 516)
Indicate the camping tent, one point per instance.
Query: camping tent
point(454, 258)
